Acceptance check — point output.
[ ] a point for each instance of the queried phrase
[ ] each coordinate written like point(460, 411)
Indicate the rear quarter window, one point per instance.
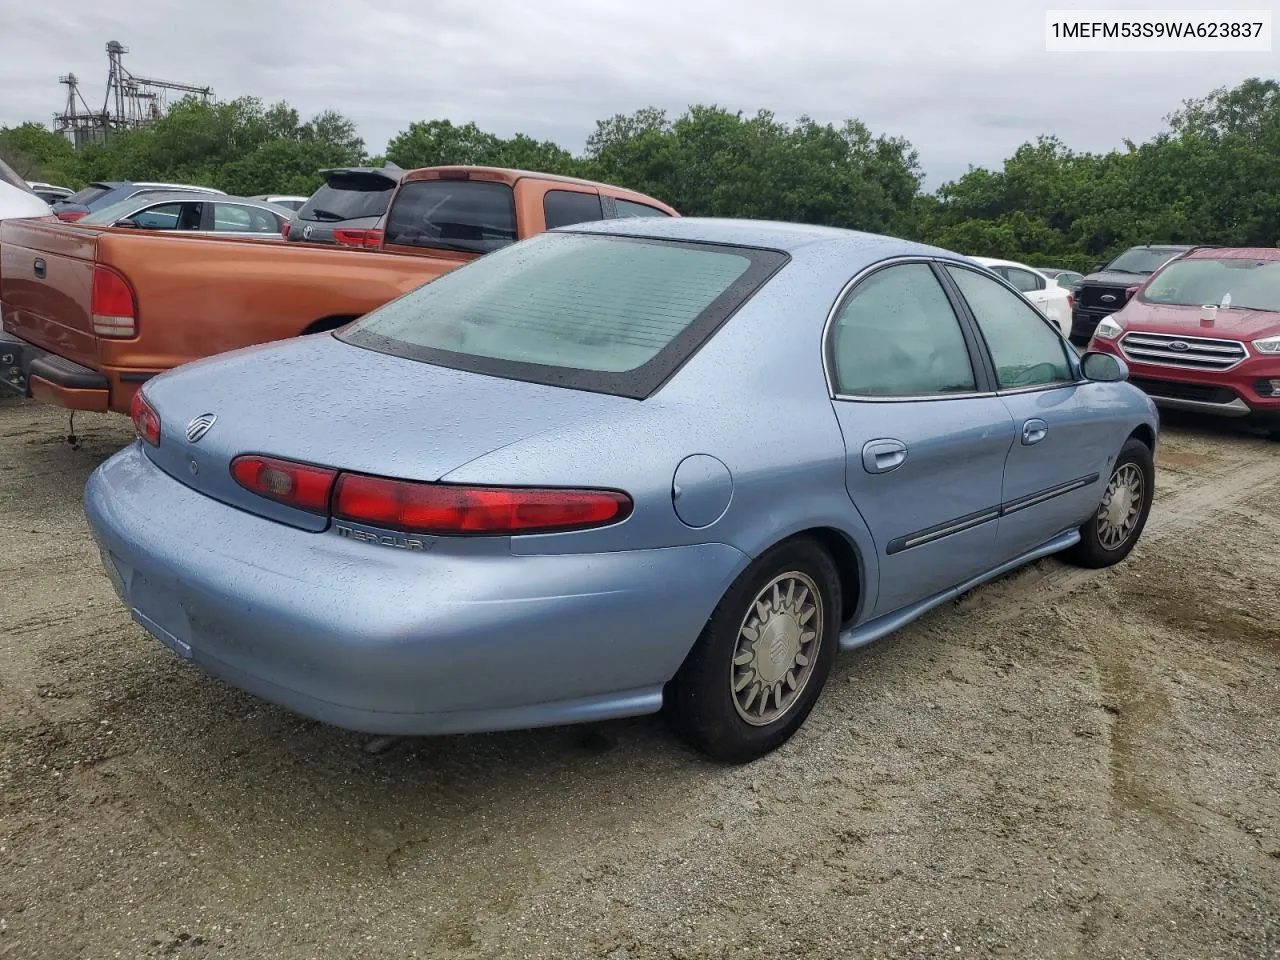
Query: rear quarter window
point(563, 208)
point(470, 216)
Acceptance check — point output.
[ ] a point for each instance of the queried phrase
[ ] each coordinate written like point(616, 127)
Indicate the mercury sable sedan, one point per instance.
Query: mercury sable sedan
point(619, 468)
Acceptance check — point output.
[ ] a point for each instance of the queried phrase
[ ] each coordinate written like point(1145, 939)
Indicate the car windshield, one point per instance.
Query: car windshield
point(610, 314)
point(106, 216)
point(1252, 284)
point(1141, 261)
point(348, 198)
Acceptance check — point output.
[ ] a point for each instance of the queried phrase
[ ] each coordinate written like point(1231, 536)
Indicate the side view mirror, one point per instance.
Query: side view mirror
point(127, 222)
point(1103, 367)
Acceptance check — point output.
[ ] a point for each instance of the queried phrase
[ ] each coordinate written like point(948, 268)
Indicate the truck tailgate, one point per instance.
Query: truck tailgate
point(46, 282)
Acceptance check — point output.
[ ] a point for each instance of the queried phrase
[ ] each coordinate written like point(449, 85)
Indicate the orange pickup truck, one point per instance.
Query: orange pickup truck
point(87, 314)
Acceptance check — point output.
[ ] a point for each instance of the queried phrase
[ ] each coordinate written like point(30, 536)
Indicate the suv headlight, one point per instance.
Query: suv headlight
point(1269, 345)
point(1108, 329)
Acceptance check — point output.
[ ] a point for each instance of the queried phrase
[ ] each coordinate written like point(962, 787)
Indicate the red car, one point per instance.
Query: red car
point(1203, 334)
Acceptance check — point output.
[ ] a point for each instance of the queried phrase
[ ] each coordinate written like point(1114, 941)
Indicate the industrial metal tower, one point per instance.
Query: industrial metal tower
point(131, 101)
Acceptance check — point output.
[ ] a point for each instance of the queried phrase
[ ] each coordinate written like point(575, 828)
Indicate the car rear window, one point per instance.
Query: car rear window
point(1252, 284)
point(593, 312)
point(89, 194)
point(348, 198)
point(1141, 261)
point(471, 216)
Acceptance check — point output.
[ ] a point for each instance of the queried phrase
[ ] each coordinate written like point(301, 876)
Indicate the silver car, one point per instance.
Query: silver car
point(215, 216)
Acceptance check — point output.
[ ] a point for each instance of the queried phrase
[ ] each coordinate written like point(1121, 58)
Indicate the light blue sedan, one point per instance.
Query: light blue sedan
point(622, 467)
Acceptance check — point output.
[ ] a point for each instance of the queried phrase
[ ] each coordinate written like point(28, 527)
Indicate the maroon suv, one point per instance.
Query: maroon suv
point(1203, 334)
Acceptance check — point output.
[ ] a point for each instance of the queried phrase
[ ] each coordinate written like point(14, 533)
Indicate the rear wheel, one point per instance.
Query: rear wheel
point(1111, 533)
point(763, 657)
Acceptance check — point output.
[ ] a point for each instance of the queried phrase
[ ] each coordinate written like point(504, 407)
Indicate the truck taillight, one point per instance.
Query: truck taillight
point(284, 231)
point(112, 305)
point(146, 422)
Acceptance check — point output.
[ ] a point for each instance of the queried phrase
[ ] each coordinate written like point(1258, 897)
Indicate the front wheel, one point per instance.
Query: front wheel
point(1113, 531)
point(762, 659)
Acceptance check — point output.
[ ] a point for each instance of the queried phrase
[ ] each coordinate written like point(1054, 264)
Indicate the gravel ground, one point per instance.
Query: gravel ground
point(1060, 764)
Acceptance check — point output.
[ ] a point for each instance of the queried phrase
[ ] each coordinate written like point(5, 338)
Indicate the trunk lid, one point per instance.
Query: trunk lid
point(46, 284)
point(318, 400)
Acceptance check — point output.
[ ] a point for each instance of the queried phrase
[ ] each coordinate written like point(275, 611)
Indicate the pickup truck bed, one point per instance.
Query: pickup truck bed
point(192, 297)
point(87, 314)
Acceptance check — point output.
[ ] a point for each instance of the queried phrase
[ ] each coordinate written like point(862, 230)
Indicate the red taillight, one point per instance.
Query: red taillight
point(446, 509)
point(1071, 301)
point(71, 216)
point(112, 305)
point(146, 422)
point(299, 485)
point(358, 238)
point(284, 231)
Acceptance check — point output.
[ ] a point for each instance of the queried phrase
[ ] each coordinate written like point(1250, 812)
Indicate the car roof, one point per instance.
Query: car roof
point(1234, 253)
point(765, 234)
point(167, 196)
point(995, 262)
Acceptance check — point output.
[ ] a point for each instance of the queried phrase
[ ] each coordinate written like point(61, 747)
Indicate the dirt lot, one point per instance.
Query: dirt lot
point(1062, 764)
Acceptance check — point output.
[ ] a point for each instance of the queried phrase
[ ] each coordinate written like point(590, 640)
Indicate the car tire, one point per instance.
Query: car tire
point(789, 596)
point(1110, 534)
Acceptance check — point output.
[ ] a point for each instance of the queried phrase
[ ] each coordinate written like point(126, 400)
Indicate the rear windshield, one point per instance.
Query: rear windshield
point(608, 314)
point(472, 216)
point(348, 198)
point(1142, 261)
point(1252, 284)
point(89, 194)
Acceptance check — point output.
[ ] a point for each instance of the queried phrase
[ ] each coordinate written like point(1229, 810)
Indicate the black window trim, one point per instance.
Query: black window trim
point(979, 360)
point(637, 384)
point(1073, 358)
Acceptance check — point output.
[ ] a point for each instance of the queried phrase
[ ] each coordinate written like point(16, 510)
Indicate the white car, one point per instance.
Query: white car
point(17, 199)
point(1054, 301)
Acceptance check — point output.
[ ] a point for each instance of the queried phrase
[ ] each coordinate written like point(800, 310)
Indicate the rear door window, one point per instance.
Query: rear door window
point(897, 336)
point(1024, 280)
point(238, 218)
point(562, 208)
point(470, 216)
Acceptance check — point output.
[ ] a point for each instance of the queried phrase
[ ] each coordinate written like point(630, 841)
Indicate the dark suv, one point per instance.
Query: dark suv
point(1105, 291)
point(348, 208)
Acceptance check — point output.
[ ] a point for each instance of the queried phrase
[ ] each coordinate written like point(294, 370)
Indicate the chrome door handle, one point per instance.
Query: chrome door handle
point(1033, 431)
point(881, 456)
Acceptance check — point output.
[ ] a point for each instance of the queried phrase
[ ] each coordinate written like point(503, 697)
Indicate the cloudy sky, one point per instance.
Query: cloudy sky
point(965, 81)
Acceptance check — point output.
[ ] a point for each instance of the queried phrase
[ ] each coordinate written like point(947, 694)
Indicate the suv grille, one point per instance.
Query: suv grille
point(1193, 353)
point(1091, 297)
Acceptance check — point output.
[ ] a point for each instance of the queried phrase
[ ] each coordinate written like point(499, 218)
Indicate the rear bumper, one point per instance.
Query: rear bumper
point(460, 638)
point(1243, 391)
point(31, 371)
